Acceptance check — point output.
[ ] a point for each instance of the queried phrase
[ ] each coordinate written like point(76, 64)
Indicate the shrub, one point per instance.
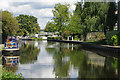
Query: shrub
point(114, 40)
point(11, 75)
point(109, 36)
point(100, 36)
point(53, 38)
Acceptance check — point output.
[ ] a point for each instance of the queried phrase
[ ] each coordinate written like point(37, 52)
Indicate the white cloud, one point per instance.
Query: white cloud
point(42, 9)
point(4, 4)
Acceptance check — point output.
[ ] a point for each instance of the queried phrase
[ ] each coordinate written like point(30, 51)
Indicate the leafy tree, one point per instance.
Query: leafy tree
point(28, 25)
point(61, 16)
point(92, 16)
point(50, 27)
point(9, 25)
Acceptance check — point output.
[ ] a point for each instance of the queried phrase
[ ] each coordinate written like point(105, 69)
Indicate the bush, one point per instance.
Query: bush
point(99, 36)
point(109, 36)
point(114, 40)
point(95, 36)
point(11, 75)
point(53, 38)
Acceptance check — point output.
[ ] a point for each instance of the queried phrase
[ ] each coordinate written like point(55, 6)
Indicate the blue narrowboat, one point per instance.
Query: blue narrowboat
point(11, 44)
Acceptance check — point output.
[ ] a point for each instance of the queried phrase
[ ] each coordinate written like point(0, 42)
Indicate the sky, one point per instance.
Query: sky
point(42, 9)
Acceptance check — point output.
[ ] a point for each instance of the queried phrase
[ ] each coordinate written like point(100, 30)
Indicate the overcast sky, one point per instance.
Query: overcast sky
point(42, 9)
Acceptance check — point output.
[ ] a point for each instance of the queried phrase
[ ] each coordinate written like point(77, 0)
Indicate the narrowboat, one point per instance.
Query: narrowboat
point(11, 44)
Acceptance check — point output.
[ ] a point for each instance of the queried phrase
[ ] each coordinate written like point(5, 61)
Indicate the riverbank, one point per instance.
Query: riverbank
point(34, 39)
point(95, 47)
point(89, 43)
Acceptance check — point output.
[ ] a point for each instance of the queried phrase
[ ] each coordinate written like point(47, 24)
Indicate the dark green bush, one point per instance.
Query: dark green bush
point(118, 35)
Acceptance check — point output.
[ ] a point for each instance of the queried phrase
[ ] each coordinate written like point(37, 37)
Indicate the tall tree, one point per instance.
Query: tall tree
point(28, 25)
point(61, 16)
point(111, 16)
point(9, 25)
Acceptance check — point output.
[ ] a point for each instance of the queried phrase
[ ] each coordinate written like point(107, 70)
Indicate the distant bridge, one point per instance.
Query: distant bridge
point(42, 33)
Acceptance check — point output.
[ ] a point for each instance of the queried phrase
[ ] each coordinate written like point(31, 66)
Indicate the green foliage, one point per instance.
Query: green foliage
point(50, 27)
point(92, 16)
point(61, 16)
point(27, 25)
point(109, 37)
point(100, 36)
point(10, 75)
point(5, 75)
point(66, 33)
point(114, 40)
point(10, 25)
point(53, 38)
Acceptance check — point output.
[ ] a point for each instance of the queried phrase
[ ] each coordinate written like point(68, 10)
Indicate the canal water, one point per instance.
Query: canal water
point(42, 59)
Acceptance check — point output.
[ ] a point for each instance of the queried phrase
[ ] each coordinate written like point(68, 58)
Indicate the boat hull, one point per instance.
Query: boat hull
point(14, 49)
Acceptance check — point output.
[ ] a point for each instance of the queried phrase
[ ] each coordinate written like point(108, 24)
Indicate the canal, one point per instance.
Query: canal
point(43, 59)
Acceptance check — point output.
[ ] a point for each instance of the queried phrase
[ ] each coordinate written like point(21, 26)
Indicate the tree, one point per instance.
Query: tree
point(111, 16)
point(50, 27)
point(92, 16)
point(28, 25)
point(61, 16)
point(9, 25)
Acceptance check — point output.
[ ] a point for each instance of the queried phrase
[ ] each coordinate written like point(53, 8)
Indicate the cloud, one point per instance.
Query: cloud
point(42, 9)
point(41, 5)
point(34, 5)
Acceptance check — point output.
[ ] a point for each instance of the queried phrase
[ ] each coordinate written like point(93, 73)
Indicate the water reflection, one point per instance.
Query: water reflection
point(42, 59)
point(29, 53)
point(88, 64)
point(10, 63)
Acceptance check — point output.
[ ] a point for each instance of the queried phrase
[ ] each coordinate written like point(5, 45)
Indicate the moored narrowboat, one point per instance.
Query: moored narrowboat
point(11, 44)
